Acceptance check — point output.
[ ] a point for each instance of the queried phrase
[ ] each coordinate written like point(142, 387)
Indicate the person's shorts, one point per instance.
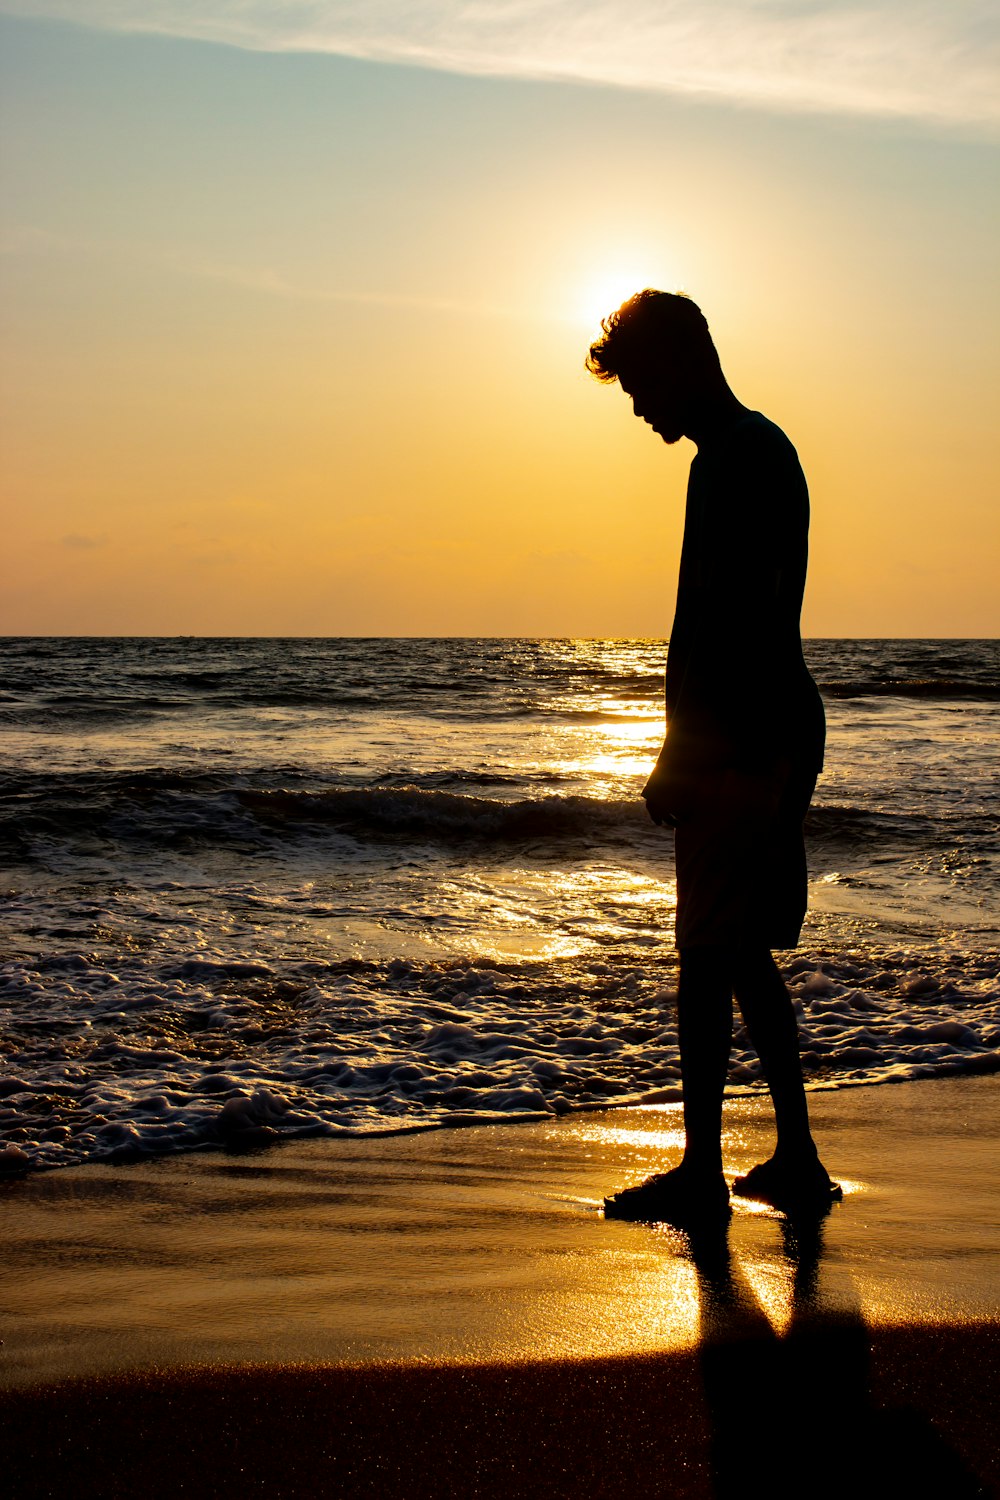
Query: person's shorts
point(741, 863)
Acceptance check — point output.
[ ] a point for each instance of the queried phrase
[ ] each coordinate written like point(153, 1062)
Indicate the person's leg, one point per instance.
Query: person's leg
point(794, 1176)
point(694, 1192)
point(705, 1036)
point(766, 1008)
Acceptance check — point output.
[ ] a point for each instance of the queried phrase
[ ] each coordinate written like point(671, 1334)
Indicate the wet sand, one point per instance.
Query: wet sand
point(450, 1314)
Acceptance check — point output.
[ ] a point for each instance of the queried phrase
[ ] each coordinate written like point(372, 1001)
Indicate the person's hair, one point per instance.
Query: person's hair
point(648, 329)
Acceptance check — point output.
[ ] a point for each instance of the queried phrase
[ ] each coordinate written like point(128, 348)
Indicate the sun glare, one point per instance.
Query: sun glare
point(605, 291)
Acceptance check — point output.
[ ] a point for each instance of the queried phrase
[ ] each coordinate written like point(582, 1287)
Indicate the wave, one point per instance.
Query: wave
point(172, 807)
point(912, 687)
point(444, 816)
point(177, 807)
point(860, 825)
point(63, 685)
point(578, 703)
point(447, 816)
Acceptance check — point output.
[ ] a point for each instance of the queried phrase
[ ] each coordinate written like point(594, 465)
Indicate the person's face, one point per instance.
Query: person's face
point(657, 399)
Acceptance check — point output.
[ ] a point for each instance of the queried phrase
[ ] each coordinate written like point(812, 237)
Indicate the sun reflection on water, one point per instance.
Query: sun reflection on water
point(652, 1140)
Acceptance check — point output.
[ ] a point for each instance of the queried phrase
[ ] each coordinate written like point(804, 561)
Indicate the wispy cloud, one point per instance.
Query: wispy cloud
point(931, 59)
point(271, 284)
point(33, 241)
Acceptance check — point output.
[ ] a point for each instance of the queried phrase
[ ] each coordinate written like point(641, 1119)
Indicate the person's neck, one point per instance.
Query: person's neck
point(714, 416)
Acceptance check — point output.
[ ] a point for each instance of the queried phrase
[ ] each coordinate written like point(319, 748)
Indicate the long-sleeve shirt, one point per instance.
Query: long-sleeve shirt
point(738, 692)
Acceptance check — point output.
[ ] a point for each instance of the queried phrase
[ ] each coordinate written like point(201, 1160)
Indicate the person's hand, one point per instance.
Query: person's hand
point(663, 797)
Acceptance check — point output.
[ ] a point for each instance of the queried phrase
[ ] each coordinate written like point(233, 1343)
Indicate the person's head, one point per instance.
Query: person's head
point(658, 347)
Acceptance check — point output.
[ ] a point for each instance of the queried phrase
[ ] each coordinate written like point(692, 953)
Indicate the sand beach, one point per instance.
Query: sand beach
point(449, 1313)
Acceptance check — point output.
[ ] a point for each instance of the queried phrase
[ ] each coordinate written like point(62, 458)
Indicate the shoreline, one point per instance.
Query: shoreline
point(250, 1131)
point(652, 1098)
point(315, 1318)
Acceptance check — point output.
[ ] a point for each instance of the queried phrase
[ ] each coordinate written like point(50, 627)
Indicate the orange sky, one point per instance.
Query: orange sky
point(294, 342)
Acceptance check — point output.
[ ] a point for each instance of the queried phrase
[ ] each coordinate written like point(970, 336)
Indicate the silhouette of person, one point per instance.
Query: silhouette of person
point(744, 745)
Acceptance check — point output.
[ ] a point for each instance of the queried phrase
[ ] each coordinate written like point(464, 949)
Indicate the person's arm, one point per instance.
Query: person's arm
point(722, 712)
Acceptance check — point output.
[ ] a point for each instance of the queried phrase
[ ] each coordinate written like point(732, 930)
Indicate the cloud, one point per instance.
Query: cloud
point(271, 284)
point(929, 59)
point(33, 240)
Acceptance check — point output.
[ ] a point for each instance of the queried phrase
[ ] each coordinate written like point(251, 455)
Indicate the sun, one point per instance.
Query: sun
point(605, 291)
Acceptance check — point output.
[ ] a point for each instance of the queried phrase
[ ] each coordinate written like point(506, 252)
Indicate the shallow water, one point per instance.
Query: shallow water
point(329, 886)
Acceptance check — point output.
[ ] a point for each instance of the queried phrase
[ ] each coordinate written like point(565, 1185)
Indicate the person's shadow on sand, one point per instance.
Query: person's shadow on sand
point(792, 1413)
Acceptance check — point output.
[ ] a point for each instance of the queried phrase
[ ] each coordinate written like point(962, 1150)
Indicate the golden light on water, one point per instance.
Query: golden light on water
point(608, 764)
point(648, 1140)
point(626, 744)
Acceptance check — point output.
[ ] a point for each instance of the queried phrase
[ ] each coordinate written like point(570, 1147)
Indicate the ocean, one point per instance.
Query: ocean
point(267, 888)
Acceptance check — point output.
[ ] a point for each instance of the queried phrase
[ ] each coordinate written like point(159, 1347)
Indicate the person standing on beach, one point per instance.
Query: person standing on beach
point(744, 745)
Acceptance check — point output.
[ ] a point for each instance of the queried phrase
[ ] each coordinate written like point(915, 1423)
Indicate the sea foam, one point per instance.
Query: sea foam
point(115, 1066)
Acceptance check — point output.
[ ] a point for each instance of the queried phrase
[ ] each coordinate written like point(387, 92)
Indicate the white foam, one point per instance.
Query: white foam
point(143, 1059)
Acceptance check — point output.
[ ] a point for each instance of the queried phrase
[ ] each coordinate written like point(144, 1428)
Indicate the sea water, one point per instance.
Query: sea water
point(256, 888)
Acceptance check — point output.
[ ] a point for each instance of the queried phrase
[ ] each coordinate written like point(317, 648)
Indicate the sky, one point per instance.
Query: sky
point(296, 296)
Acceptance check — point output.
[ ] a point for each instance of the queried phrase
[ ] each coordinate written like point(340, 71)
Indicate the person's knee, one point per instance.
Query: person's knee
point(702, 968)
point(754, 970)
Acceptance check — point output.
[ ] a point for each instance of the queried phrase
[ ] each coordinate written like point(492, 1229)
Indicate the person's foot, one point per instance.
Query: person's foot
point(683, 1198)
point(793, 1187)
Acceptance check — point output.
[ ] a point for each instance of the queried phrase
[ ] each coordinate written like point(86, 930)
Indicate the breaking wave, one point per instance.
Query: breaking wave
point(204, 807)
